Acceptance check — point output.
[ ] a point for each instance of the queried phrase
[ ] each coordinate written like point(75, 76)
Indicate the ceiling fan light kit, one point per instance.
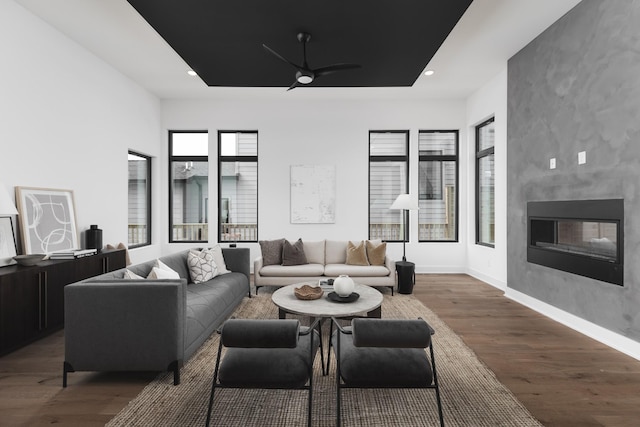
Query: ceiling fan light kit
point(304, 77)
point(304, 74)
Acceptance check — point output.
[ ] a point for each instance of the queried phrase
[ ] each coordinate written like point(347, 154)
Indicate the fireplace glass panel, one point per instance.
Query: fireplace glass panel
point(594, 239)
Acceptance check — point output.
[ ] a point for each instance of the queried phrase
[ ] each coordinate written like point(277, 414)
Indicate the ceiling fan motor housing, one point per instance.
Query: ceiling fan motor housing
point(304, 77)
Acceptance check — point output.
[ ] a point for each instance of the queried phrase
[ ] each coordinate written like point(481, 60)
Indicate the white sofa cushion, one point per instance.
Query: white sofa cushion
point(292, 270)
point(335, 252)
point(314, 252)
point(334, 270)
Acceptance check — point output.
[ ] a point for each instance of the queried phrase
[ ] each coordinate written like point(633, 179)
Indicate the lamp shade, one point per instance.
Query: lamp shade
point(406, 202)
point(7, 207)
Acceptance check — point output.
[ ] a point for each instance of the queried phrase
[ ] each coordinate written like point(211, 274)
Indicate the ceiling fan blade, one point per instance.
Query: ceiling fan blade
point(277, 55)
point(294, 85)
point(333, 68)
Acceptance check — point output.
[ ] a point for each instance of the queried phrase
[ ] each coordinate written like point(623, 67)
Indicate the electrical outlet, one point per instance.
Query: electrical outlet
point(552, 163)
point(582, 157)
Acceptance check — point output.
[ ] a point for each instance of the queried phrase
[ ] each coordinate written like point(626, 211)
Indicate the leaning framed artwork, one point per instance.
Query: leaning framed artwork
point(47, 219)
point(7, 242)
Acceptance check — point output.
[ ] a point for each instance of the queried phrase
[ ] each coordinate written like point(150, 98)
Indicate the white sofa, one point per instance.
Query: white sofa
point(326, 259)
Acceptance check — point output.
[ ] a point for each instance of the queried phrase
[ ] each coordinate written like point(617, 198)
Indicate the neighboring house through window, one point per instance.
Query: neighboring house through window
point(438, 185)
point(238, 186)
point(189, 186)
point(139, 205)
point(485, 183)
point(388, 177)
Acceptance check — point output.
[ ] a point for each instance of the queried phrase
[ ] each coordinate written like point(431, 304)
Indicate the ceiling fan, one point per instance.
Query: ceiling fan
point(306, 75)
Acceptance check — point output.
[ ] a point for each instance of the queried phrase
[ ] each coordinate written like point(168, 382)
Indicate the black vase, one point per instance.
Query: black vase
point(94, 238)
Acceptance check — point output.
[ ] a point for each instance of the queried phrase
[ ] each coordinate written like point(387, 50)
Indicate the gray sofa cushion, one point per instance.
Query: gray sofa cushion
point(178, 263)
point(209, 304)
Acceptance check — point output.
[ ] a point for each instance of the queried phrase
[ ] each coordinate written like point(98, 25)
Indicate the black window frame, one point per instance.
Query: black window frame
point(443, 158)
point(480, 154)
point(147, 201)
point(247, 159)
point(172, 159)
point(393, 158)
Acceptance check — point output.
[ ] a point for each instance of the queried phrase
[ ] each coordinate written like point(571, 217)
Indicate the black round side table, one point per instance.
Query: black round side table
point(406, 276)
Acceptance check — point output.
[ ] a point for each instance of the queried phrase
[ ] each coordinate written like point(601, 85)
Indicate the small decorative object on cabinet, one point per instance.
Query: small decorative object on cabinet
point(29, 260)
point(93, 238)
point(32, 297)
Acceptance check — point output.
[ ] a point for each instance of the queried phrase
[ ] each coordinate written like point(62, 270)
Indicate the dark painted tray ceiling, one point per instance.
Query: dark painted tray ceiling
point(222, 40)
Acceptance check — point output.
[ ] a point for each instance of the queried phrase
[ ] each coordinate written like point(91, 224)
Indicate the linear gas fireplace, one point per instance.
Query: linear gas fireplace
point(583, 237)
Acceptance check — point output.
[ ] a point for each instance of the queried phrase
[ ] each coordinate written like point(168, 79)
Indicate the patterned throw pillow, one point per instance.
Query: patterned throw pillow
point(376, 252)
point(357, 255)
point(271, 251)
point(293, 254)
point(202, 266)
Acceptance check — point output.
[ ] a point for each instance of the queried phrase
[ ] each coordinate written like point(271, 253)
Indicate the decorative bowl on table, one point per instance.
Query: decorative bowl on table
point(28, 260)
point(307, 292)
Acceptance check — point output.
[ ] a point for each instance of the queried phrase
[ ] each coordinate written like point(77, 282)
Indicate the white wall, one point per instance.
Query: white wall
point(485, 263)
point(68, 120)
point(293, 132)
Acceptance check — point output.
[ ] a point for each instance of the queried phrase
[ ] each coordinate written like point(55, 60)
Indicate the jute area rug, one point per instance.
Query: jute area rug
point(471, 394)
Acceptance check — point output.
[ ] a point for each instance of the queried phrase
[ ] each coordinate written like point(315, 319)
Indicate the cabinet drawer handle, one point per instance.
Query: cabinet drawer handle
point(46, 300)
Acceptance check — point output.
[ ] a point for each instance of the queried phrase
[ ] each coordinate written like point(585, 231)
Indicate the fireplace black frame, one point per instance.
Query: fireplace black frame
point(607, 210)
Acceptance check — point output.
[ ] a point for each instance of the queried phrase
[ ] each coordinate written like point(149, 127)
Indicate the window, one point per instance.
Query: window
point(139, 215)
point(388, 177)
point(238, 186)
point(438, 186)
point(188, 186)
point(485, 183)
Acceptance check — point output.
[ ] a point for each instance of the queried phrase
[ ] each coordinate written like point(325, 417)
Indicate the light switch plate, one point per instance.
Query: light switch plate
point(582, 157)
point(552, 163)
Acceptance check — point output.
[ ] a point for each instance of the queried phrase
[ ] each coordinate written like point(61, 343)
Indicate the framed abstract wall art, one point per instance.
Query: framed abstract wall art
point(47, 220)
point(313, 194)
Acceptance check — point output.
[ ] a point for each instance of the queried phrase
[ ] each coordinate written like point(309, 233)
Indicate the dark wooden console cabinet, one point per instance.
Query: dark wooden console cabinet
point(32, 298)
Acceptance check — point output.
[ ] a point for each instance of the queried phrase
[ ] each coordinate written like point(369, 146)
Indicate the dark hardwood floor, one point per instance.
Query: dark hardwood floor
point(561, 376)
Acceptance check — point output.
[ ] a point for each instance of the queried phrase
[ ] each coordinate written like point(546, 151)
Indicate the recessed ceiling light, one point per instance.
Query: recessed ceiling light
point(192, 73)
point(429, 73)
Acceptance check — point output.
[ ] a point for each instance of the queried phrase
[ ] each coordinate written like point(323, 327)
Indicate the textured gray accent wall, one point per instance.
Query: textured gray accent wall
point(576, 87)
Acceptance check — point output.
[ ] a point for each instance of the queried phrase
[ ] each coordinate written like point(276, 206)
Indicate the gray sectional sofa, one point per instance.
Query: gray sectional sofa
point(117, 324)
point(325, 259)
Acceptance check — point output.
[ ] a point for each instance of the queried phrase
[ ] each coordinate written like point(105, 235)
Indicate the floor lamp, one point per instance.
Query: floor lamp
point(405, 203)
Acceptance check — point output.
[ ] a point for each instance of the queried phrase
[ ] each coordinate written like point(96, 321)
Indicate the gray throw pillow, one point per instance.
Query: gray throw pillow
point(293, 254)
point(271, 251)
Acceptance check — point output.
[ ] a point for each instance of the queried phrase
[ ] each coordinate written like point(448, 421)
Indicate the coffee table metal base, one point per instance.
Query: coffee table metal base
point(370, 302)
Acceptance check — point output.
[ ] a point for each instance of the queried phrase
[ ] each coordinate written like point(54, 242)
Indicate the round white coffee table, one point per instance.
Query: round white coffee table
point(369, 302)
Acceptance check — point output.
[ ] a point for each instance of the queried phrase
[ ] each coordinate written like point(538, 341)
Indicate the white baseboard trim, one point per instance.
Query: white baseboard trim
point(598, 333)
point(487, 279)
point(436, 269)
